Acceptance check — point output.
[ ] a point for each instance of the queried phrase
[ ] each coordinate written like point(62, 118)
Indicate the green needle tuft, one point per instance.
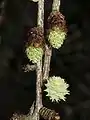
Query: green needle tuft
point(56, 89)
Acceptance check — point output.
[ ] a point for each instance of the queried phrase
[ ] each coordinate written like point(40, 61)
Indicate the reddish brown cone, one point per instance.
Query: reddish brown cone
point(56, 19)
point(36, 37)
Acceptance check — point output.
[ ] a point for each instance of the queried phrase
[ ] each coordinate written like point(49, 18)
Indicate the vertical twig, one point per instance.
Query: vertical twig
point(38, 88)
point(56, 5)
point(47, 59)
point(40, 19)
point(40, 23)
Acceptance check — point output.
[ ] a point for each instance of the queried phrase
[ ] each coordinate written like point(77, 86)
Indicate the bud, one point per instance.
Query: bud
point(56, 88)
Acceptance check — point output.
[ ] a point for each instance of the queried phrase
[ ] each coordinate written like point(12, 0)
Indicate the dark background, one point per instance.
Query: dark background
point(72, 61)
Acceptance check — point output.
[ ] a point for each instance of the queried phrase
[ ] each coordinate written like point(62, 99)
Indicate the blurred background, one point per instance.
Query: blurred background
point(71, 61)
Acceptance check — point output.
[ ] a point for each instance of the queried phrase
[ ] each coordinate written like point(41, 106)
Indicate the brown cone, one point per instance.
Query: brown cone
point(56, 19)
point(36, 37)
